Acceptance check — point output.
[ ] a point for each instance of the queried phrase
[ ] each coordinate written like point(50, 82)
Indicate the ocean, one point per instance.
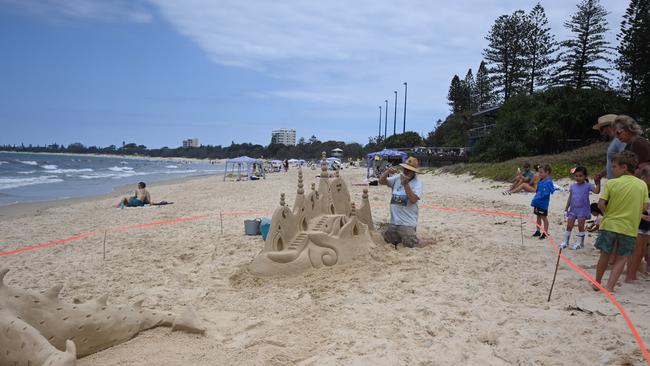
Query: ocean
point(29, 177)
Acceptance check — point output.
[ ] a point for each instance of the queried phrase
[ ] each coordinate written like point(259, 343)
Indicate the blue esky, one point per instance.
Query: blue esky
point(156, 72)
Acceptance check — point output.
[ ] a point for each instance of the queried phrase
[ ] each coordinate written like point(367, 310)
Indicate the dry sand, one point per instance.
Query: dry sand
point(475, 297)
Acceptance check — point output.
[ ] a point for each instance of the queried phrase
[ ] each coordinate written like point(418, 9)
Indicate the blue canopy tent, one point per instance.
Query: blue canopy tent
point(243, 164)
point(385, 154)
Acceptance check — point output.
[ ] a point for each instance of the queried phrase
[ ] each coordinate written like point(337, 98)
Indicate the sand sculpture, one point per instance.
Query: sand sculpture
point(323, 229)
point(40, 329)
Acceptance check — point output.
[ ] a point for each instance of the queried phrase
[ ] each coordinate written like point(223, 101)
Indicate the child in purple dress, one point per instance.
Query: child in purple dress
point(578, 206)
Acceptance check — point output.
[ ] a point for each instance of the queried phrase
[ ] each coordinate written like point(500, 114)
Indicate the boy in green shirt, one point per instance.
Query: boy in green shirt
point(622, 201)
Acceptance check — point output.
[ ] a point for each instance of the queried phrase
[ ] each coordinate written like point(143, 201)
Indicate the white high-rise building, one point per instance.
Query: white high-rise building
point(285, 136)
point(194, 142)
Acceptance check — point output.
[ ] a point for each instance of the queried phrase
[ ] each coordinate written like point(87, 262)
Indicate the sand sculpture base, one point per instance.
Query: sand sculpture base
point(323, 229)
point(40, 329)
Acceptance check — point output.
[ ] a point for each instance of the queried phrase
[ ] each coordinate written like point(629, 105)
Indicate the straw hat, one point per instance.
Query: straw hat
point(604, 121)
point(411, 164)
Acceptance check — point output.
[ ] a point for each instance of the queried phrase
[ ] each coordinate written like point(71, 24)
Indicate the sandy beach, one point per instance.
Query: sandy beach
point(477, 296)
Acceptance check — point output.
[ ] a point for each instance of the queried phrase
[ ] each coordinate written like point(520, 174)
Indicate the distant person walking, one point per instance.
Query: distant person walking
point(286, 165)
point(605, 126)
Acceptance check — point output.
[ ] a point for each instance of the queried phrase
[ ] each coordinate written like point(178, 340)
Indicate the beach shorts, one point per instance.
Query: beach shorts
point(396, 234)
point(540, 211)
point(607, 239)
point(134, 202)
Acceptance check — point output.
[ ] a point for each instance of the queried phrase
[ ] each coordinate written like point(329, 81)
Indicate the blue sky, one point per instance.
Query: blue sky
point(156, 72)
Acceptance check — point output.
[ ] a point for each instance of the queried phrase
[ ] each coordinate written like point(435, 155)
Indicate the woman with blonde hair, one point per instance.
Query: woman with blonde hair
point(629, 132)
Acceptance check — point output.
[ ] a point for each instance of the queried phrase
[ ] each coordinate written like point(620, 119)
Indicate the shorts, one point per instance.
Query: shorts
point(540, 211)
point(624, 243)
point(134, 202)
point(579, 214)
point(396, 234)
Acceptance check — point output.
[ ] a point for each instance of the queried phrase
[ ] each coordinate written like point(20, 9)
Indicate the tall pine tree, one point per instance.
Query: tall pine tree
point(483, 94)
point(540, 47)
point(634, 56)
point(506, 53)
point(583, 56)
point(455, 95)
point(469, 86)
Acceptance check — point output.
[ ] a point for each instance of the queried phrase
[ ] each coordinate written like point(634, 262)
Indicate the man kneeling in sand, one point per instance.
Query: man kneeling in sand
point(140, 198)
point(407, 190)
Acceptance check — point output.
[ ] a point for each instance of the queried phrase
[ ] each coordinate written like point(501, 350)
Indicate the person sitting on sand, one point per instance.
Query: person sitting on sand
point(140, 198)
point(530, 187)
point(525, 176)
point(407, 190)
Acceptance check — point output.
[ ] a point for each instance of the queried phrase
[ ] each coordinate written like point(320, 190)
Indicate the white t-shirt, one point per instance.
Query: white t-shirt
point(402, 212)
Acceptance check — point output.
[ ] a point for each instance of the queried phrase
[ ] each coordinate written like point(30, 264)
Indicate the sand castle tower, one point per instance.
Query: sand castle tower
point(324, 228)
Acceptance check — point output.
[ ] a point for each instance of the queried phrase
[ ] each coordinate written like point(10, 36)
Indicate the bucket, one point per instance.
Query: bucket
point(265, 225)
point(252, 227)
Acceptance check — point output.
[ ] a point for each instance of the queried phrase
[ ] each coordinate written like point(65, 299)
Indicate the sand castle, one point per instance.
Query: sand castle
point(35, 328)
point(323, 229)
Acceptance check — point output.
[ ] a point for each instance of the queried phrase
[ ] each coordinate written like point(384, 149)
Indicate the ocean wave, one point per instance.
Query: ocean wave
point(67, 171)
point(171, 166)
point(49, 167)
point(120, 168)
point(180, 171)
point(27, 172)
point(3, 162)
point(27, 162)
point(116, 175)
point(6, 183)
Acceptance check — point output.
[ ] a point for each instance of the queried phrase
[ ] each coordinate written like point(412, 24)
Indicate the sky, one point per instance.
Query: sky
point(155, 72)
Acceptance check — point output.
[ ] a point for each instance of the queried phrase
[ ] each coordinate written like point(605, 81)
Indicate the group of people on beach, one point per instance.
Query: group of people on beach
point(621, 215)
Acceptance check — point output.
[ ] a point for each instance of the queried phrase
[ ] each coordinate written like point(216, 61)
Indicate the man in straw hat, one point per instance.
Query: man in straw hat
point(606, 127)
point(407, 190)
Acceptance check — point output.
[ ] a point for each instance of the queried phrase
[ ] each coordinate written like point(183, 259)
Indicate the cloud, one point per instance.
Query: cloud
point(108, 10)
point(344, 52)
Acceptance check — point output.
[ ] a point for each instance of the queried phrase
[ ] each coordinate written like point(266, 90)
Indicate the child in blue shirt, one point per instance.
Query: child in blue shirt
point(545, 189)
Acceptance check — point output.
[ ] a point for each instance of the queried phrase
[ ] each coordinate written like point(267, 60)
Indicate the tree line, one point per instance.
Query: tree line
point(524, 66)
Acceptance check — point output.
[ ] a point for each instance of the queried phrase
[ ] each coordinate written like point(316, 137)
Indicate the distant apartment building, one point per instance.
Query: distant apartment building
point(191, 142)
point(285, 136)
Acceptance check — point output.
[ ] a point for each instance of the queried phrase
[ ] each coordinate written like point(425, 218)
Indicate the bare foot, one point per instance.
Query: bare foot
point(594, 287)
point(611, 290)
point(632, 281)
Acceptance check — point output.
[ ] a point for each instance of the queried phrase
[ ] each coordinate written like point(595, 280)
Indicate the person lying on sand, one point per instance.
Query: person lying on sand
point(140, 198)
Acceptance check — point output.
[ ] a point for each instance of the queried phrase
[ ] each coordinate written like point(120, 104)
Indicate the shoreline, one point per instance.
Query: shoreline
point(133, 157)
point(23, 209)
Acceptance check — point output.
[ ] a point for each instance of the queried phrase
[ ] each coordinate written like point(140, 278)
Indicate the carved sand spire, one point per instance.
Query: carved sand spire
point(323, 229)
point(37, 327)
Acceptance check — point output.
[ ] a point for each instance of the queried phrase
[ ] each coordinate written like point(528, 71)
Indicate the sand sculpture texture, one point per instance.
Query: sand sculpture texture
point(40, 329)
point(323, 229)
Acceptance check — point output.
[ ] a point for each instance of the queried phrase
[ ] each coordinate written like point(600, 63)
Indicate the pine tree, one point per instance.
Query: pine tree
point(483, 89)
point(540, 47)
point(506, 53)
point(588, 49)
point(455, 95)
point(469, 86)
point(634, 54)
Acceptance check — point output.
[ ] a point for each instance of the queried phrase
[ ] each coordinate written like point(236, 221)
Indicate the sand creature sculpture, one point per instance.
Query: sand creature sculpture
point(40, 329)
point(323, 229)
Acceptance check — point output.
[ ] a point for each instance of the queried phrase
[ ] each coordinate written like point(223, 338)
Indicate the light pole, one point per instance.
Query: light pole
point(385, 118)
point(395, 116)
point(405, 91)
point(379, 134)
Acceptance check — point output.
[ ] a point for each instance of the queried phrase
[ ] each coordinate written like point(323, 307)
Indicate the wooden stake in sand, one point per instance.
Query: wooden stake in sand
point(554, 275)
point(521, 227)
point(105, 244)
point(221, 219)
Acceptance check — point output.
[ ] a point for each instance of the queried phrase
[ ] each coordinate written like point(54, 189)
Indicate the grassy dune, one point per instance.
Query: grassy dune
point(592, 157)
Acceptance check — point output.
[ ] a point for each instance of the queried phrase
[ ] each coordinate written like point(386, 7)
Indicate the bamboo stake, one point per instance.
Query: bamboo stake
point(104, 257)
point(554, 274)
